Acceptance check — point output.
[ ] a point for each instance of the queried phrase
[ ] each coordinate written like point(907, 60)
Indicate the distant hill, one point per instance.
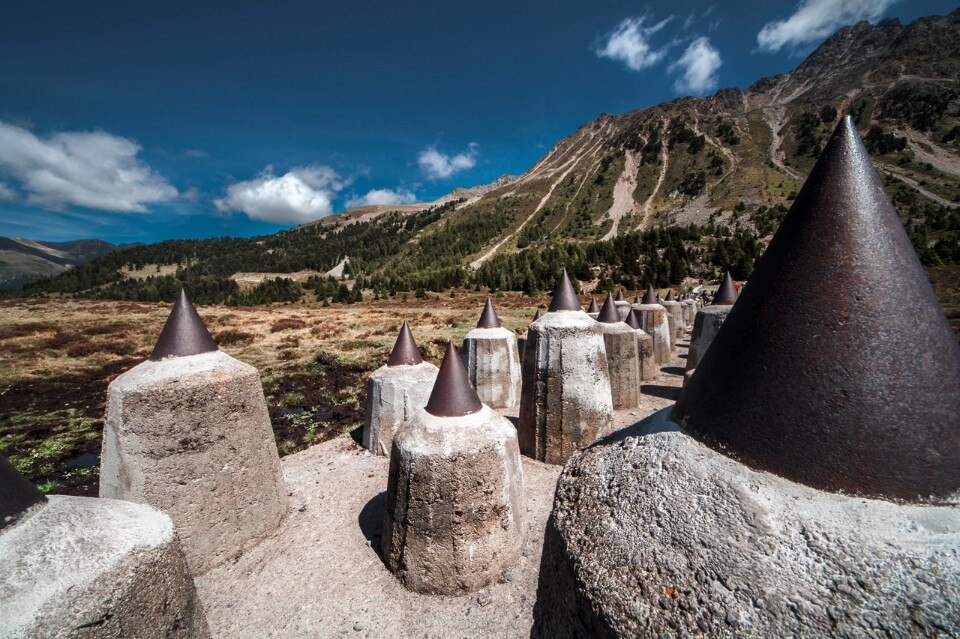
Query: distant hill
point(686, 188)
point(23, 260)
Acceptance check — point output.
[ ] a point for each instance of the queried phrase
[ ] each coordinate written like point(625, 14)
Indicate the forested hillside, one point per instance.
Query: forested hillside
point(683, 189)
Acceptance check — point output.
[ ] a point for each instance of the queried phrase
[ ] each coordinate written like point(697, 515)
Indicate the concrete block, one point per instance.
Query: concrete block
point(493, 364)
point(707, 324)
point(654, 320)
point(623, 364)
point(394, 394)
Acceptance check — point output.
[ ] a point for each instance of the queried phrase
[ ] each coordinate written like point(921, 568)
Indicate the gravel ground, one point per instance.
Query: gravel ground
point(321, 575)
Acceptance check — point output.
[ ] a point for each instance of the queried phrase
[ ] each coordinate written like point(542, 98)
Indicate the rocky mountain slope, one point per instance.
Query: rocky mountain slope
point(685, 188)
point(23, 260)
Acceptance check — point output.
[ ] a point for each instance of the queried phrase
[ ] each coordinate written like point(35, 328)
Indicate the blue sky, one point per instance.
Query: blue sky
point(135, 121)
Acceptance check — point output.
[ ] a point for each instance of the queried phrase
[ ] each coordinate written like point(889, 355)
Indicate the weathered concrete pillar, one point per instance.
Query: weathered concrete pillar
point(677, 325)
point(455, 514)
point(654, 320)
point(522, 340)
point(492, 362)
point(188, 432)
point(689, 311)
point(593, 310)
point(648, 362)
point(816, 498)
point(623, 356)
point(395, 392)
point(708, 321)
point(84, 567)
point(565, 402)
point(623, 306)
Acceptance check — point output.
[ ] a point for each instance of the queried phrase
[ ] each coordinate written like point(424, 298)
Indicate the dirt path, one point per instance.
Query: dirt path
point(321, 575)
point(945, 161)
point(571, 164)
point(623, 193)
point(913, 184)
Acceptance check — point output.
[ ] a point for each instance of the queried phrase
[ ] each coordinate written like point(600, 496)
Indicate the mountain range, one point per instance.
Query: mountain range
point(23, 260)
point(685, 188)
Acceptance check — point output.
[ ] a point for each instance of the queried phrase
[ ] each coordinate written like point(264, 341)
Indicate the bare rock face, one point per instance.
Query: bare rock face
point(191, 436)
point(623, 364)
point(493, 363)
point(706, 325)
point(394, 394)
point(654, 534)
point(84, 567)
point(566, 400)
point(654, 320)
point(454, 520)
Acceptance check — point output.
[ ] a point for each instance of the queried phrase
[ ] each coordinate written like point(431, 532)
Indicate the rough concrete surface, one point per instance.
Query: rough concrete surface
point(321, 575)
point(455, 511)
point(565, 402)
point(648, 360)
point(623, 364)
point(655, 322)
point(678, 327)
point(653, 533)
point(706, 325)
point(192, 437)
point(394, 394)
point(84, 567)
point(493, 363)
point(623, 308)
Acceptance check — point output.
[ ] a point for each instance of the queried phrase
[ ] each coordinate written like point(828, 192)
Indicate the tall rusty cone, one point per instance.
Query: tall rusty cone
point(405, 351)
point(452, 395)
point(650, 297)
point(726, 294)
point(17, 494)
point(184, 333)
point(620, 297)
point(632, 320)
point(593, 306)
point(836, 367)
point(488, 318)
point(564, 296)
point(609, 313)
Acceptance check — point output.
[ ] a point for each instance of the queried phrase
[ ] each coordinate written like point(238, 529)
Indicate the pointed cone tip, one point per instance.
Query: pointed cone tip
point(405, 351)
point(632, 320)
point(727, 293)
point(564, 296)
point(620, 297)
point(670, 297)
point(452, 394)
point(488, 318)
point(650, 297)
point(609, 313)
point(833, 414)
point(593, 308)
point(184, 333)
point(537, 315)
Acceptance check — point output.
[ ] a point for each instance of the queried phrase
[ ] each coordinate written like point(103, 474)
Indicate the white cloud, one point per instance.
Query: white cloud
point(629, 43)
point(816, 19)
point(383, 196)
point(439, 165)
point(94, 169)
point(6, 193)
point(698, 68)
point(301, 195)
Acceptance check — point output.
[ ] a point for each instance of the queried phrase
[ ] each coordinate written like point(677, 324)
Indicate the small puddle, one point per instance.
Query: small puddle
point(86, 460)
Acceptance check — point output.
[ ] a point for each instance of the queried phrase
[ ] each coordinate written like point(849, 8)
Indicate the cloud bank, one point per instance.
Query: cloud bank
point(437, 165)
point(95, 170)
point(382, 197)
point(629, 42)
point(301, 195)
point(698, 68)
point(814, 20)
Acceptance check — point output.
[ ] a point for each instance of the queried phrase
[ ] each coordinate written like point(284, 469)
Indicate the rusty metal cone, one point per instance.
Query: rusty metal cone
point(184, 333)
point(452, 395)
point(564, 297)
point(620, 297)
point(670, 297)
point(488, 318)
point(593, 306)
point(537, 315)
point(405, 351)
point(609, 313)
point(632, 320)
point(836, 368)
point(17, 494)
point(727, 293)
point(650, 297)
